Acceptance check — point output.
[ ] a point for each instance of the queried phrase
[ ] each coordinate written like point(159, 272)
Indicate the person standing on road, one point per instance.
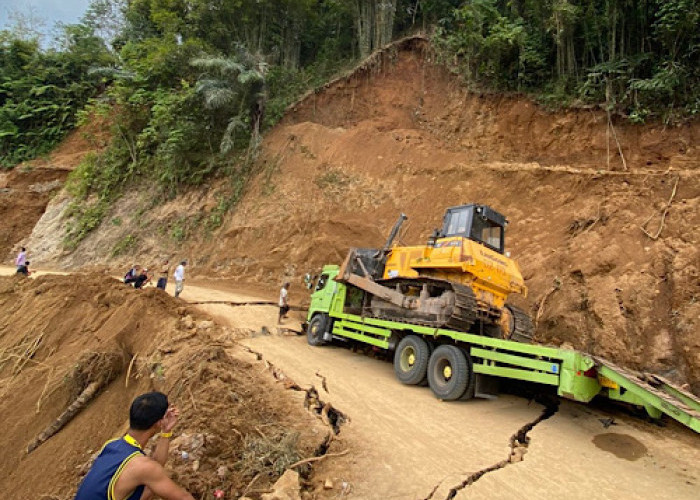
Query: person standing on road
point(283, 302)
point(21, 259)
point(179, 276)
point(123, 471)
point(163, 278)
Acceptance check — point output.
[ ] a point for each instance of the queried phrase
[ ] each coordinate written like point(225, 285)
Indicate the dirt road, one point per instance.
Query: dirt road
point(404, 442)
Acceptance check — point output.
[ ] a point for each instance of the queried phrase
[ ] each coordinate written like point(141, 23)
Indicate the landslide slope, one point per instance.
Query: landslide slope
point(401, 135)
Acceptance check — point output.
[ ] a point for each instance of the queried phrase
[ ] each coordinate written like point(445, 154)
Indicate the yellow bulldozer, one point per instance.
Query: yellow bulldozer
point(459, 280)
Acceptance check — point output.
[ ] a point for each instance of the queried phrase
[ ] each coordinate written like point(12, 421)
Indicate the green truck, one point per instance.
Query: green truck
point(458, 365)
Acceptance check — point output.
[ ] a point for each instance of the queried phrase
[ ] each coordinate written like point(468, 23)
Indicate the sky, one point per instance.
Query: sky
point(50, 11)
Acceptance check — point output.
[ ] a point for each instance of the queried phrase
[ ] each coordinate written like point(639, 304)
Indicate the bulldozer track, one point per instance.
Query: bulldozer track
point(524, 329)
point(463, 313)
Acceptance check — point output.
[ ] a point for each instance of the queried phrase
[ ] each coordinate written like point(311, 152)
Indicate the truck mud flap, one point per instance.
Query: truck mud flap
point(486, 386)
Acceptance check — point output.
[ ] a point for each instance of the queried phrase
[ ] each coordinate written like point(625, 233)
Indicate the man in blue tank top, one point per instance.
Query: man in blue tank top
point(122, 471)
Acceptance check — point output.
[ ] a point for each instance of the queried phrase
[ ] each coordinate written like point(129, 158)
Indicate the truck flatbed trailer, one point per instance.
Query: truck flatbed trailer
point(459, 365)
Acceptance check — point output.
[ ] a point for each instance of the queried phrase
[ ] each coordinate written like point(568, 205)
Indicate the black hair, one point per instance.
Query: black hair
point(26, 263)
point(147, 409)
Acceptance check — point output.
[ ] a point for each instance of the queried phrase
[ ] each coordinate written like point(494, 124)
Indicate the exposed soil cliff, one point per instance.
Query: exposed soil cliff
point(401, 135)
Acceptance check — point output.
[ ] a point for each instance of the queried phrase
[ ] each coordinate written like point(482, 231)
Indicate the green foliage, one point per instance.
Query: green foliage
point(233, 92)
point(42, 90)
point(83, 218)
point(124, 245)
point(636, 57)
point(183, 227)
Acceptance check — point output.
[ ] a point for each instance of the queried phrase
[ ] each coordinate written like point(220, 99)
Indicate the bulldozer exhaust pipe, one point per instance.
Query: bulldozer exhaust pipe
point(392, 235)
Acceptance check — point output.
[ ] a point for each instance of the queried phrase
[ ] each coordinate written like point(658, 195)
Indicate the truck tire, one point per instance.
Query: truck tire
point(471, 381)
point(448, 373)
point(411, 360)
point(317, 327)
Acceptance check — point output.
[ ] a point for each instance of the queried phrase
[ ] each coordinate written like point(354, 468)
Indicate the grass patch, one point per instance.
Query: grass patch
point(125, 244)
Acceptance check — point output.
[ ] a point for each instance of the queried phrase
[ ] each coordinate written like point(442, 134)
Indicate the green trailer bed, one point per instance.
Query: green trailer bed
point(333, 313)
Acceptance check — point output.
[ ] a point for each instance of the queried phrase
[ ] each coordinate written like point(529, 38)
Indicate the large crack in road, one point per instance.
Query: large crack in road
point(519, 443)
point(329, 415)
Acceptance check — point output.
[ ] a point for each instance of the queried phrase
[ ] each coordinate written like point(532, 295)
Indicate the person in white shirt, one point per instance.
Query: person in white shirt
point(21, 259)
point(283, 302)
point(179, 276)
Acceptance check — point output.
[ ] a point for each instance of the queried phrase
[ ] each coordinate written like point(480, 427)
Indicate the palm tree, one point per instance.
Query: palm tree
point(234, 87)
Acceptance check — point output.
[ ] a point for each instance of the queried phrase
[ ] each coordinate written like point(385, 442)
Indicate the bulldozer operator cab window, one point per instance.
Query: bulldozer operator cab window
point(487, 232)
point(463, 221)
point(457, 222)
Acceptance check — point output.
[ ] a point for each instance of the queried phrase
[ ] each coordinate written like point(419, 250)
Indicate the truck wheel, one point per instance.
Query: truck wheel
point(448, 373)
point(471, 381)
point(317, 327)
point(411, 360)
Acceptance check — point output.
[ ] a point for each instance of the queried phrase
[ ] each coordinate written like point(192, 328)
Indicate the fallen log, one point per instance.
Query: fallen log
point(75, 407)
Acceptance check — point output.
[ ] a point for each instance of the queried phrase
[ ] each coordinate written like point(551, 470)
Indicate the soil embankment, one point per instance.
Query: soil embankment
point(62, 335)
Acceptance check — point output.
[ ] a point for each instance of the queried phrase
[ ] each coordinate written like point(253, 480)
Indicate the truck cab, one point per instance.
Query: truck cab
point(323, 291)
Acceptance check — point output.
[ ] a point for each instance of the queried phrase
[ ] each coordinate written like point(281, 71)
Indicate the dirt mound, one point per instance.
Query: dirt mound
point(63, 335)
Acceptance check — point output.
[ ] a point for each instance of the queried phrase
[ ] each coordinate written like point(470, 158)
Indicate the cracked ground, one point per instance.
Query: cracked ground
point(405, 444)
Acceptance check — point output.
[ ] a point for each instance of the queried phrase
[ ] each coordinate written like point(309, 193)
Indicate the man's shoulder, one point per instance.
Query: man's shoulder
point(144, 466)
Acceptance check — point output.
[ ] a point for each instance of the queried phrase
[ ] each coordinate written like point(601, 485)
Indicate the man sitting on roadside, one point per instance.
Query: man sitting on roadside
point(123, 471)
point(131, 274)
point(142, 278)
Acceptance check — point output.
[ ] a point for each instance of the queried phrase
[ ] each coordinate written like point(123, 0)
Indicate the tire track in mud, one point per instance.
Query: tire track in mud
point(519, 443)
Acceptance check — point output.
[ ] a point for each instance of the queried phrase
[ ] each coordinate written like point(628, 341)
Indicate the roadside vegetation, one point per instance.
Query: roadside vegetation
point(188, 86)
point(636, 58)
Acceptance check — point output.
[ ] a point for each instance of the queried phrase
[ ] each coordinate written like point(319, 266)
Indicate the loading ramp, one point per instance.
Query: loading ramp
point(656, 394)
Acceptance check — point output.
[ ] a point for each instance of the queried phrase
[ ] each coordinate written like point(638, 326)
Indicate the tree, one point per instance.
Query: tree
point(374, 22)
point(107, 20)
point(233, 90)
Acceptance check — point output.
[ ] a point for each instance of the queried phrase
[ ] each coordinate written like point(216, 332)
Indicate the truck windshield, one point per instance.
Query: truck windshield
point(321, 284)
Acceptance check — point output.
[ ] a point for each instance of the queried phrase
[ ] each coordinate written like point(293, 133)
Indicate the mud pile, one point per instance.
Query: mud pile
point(60, 337)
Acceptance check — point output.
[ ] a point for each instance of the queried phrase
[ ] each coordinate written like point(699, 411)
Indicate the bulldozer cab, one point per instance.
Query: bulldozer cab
point(478, 223)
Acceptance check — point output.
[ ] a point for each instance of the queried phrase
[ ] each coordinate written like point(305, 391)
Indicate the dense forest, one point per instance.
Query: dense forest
point(188, 86)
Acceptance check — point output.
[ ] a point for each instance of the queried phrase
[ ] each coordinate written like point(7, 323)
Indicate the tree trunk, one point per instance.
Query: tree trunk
point(76, 406)
point(364, 21)
point(385, 11)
